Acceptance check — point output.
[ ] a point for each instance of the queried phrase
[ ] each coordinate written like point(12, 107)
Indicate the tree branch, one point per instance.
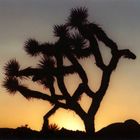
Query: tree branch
point(60, 77)
point(79, 91)
point(106, 78)
point(81, 53)
point(78, 67)
point(37, 71)
point(102, 36)
point(88, 34)
point(28, 93)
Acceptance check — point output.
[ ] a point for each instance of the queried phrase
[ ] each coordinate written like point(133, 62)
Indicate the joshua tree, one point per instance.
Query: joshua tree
point(77, 39)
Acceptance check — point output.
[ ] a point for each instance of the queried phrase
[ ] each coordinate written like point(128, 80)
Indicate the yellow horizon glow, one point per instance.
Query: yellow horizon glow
point(34, 110)
point(18, 111)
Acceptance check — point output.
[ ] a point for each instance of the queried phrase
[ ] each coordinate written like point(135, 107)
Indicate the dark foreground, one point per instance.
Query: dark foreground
point(129, 130)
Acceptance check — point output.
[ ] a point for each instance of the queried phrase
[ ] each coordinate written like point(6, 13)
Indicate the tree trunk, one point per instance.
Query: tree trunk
point(45, 126)
point(89, 126)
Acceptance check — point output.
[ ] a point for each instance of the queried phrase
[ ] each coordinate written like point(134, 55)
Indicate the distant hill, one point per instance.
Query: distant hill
point(130, 129)
point(18, 133)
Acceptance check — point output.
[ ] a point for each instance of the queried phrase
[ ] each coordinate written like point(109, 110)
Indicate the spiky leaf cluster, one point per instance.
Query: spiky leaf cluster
point(78, 42)
point(32, 47)
point(46, 63)
point(54, 127)
point(78, 16)
point(11, 84)
point(47, 49)
point(46, 78)
point(12, 68)
point(60, 31)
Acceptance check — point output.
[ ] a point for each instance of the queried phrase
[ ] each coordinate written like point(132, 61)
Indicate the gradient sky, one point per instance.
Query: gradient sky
point(20, 20)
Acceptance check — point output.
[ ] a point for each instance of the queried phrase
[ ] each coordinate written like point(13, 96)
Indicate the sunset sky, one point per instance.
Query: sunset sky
point(23, 19)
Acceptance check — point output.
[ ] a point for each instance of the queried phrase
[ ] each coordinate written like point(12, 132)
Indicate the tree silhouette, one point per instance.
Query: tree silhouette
point(77, 39)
